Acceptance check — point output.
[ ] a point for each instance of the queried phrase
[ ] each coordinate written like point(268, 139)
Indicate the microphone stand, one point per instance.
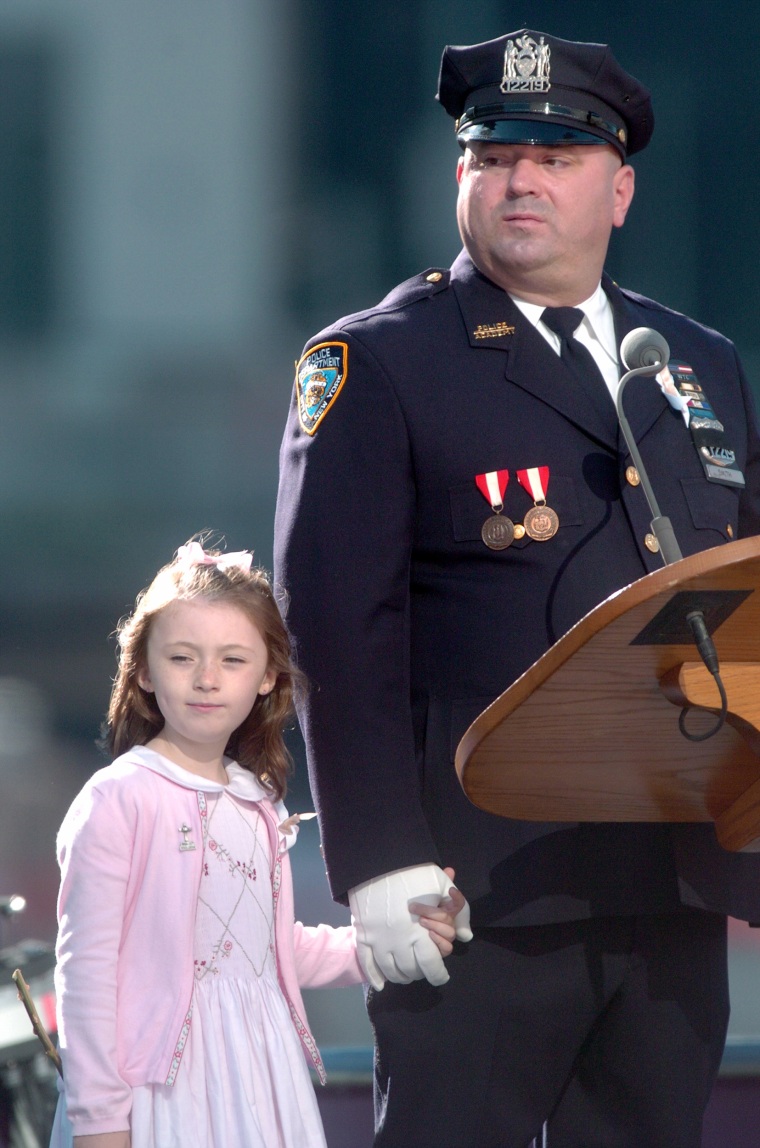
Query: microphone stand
point(670, 551)
point(661, 525)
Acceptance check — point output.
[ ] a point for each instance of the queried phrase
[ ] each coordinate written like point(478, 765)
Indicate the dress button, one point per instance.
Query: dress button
point(434, 277)
point(651, 543)
point(519, 530)
point(730, 530)
point(632, 476)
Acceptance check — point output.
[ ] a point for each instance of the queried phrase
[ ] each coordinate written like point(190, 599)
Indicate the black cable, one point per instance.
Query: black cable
point(721, 716)
point(709, 656)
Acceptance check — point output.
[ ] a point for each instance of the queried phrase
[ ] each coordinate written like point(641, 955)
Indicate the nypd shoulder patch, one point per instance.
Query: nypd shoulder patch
point(320, 374)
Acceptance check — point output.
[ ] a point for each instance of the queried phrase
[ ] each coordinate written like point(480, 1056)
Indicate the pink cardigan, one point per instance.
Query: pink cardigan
point(126, 911)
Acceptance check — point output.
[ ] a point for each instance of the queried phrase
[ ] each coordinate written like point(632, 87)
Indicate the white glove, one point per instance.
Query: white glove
point(391, 943)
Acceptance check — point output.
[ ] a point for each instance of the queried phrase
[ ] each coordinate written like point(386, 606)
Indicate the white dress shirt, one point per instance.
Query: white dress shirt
point(596, 333)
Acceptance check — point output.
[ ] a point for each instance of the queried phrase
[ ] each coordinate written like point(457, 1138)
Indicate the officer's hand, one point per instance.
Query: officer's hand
point(391, 943)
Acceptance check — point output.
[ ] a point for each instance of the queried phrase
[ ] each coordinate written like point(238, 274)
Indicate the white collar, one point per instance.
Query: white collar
point(242, 783)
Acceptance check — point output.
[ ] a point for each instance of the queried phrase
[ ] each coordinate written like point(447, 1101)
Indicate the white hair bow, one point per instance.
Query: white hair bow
point(193, 554)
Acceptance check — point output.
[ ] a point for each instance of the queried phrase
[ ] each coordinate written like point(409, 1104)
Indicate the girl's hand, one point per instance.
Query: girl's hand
point(439, 921)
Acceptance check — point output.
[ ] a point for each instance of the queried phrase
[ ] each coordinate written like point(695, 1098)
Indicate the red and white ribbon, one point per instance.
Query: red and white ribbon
point(492, 485)
point(535, 479)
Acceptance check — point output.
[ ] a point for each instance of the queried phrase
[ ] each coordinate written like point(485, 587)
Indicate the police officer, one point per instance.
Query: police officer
point(454, 496)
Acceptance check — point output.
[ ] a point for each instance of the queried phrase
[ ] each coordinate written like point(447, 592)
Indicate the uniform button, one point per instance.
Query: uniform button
point(730, 530)
point(651, 543)
point(519, 530)
point(632, 476)
point(434, 277)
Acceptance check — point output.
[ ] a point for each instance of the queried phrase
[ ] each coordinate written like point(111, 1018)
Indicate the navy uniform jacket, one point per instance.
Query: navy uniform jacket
point(407, 625)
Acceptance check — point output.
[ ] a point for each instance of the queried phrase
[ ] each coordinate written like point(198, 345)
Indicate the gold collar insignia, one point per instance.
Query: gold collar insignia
point(493, 330)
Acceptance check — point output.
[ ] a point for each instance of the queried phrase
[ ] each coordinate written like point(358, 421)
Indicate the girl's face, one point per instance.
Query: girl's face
point(206, 664)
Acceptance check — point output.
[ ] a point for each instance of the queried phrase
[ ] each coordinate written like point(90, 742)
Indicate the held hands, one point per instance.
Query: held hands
point(441, 921)
point(392, 941)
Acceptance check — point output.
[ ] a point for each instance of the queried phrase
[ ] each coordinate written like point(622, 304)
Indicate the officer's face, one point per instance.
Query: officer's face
point(537, 220)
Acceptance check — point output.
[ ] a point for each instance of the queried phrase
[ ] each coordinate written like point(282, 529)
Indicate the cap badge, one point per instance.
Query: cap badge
point(526, 65)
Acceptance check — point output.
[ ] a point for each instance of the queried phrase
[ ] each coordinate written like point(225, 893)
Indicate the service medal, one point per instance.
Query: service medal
point(541, 522)
point(498, 532)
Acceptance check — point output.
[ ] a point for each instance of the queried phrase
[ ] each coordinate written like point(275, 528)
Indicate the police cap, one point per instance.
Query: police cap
point(528, 87)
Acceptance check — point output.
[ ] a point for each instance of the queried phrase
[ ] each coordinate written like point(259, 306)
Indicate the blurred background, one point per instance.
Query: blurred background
point(188, 190)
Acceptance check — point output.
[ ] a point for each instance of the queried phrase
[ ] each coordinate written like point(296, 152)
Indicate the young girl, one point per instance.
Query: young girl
point(179, 962)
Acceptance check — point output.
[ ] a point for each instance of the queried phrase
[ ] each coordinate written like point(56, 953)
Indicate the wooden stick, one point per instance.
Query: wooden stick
point(37, 1026)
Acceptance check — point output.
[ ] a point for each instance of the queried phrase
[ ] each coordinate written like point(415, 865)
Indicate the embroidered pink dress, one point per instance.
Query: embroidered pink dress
point(243, 1080)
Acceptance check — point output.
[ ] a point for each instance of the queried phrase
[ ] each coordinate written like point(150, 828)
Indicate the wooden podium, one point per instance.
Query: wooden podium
point(590, 731)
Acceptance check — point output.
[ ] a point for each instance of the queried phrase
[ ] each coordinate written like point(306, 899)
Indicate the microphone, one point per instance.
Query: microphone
point(644, 347)
point(645, 352)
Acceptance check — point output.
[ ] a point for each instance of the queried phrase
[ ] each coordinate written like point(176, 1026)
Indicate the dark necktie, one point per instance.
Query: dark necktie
point(564, 321)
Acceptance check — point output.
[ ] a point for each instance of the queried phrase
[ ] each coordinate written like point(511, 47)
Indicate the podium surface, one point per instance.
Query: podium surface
point(590, 731)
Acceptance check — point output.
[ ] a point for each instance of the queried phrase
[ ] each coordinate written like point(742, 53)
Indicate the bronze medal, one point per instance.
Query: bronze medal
point(498, 532)
point(541, 523)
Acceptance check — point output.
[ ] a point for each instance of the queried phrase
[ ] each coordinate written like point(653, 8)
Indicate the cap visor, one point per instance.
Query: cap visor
point(530, 132)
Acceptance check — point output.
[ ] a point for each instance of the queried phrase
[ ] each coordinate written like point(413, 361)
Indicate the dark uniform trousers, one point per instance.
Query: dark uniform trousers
point(594, 992)
point(611, 1028)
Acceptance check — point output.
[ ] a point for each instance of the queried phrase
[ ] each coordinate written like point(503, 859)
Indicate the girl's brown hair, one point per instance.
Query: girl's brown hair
point(133, 715)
